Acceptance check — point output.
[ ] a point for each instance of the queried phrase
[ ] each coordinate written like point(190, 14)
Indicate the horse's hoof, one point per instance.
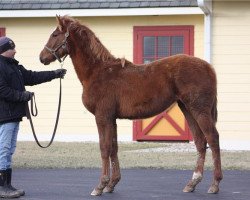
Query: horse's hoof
point(108, 189)
point(188, 189)
point(96, 192)
point(214, 189)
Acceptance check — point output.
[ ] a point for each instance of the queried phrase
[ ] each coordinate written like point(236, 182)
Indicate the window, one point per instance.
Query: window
point(156, 47)
point(152, 43)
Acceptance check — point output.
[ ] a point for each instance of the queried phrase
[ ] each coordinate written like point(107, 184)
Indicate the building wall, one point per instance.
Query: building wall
point(231, 59)
point(116, 33)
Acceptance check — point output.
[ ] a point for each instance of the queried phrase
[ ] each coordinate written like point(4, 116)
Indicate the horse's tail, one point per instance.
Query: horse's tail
point(214, 111)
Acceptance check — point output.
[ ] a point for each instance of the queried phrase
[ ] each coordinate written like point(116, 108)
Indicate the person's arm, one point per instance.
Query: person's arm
point(35, 77)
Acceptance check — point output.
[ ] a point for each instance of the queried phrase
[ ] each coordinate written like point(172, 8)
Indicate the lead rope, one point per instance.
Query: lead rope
point(33, 104)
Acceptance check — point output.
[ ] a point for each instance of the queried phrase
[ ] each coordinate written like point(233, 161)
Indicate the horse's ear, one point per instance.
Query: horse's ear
point(60, 23)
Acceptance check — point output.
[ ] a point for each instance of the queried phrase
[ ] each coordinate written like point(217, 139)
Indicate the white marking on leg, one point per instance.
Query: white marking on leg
point(197, 175)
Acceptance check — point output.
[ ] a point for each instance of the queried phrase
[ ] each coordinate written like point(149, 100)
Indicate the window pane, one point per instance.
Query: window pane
point(177, 45)
point(149, 46)
point(163, 46)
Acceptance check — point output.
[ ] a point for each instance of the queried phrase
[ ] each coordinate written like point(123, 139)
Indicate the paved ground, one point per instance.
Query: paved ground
point(136, 184)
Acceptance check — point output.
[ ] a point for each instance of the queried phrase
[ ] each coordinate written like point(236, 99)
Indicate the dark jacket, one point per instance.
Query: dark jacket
point(13, 78)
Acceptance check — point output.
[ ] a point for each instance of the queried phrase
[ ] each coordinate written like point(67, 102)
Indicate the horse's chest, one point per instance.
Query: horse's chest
point(89, 103)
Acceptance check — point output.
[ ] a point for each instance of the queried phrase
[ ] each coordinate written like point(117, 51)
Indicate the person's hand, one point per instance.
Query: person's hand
point(60, 73)
point(26, 95)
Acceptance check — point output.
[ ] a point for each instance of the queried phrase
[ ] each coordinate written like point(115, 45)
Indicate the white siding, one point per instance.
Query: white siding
point(231, 59)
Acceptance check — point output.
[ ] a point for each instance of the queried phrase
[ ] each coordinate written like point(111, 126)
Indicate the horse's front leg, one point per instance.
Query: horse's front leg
point(116, 175)
point(105, 130)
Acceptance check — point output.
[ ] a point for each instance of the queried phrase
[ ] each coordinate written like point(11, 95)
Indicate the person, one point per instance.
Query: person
point(13, 101)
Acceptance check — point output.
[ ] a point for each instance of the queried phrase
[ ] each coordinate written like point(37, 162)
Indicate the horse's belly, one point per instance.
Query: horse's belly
point(144, 109)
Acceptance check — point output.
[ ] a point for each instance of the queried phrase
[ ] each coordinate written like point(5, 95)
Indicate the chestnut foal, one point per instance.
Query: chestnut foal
point(116, 88)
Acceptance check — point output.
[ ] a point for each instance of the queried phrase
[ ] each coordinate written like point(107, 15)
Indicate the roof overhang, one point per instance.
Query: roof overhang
point(102, 12)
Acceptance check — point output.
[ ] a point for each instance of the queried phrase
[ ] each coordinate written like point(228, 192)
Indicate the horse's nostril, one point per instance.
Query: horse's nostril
point(42, 60)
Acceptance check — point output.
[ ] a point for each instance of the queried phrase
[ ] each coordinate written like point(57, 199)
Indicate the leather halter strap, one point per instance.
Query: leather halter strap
point(62, 45)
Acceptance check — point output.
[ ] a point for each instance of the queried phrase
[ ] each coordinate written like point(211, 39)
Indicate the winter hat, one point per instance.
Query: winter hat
point(6, 44)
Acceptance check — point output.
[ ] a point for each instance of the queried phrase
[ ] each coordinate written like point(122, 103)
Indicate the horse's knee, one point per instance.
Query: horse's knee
point(106, 151)
point(105, 155)
point(201, 145)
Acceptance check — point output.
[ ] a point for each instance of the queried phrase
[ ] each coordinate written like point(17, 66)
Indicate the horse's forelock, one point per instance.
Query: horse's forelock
point(69, 22)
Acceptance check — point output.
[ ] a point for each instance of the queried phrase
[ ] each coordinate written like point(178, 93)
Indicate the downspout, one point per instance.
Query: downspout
point(206, 7)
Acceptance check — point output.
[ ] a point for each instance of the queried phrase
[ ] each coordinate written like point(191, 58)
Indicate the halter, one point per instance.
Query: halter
point(62, 45)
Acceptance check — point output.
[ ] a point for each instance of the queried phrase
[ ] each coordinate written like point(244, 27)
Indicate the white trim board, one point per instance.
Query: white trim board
point(102, 12)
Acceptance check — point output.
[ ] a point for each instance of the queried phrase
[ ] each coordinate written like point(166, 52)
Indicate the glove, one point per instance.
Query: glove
point(26, 96)
point(60, 73)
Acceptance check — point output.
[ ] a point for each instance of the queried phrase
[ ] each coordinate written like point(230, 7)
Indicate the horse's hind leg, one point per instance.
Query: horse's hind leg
point(106, 129)
point(207, 125)
point(116, 175)
point(200, 142)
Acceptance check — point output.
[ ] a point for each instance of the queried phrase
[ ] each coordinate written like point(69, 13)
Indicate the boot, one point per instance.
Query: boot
point(5, 191)
point(9, 175)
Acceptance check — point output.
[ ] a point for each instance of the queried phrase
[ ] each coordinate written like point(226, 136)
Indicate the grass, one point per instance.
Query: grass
point(87, 155)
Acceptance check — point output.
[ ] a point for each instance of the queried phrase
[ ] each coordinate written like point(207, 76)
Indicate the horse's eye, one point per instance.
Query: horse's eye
point(54, 34)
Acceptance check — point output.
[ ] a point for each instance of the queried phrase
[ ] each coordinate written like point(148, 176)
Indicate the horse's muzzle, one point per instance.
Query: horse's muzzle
point(44, 61)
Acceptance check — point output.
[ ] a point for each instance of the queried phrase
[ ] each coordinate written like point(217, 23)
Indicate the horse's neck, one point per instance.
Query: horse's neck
point(88, 58)
point(86, 65)
point(82, 68)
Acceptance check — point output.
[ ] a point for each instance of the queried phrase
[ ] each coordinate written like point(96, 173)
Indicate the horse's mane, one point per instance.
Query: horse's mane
point(98, 50)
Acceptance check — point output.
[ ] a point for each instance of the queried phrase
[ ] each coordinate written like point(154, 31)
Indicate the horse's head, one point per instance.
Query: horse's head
point(56, 47)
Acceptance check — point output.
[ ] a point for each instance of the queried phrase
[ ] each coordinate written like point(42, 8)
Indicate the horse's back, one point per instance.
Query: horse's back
point(183, 70)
